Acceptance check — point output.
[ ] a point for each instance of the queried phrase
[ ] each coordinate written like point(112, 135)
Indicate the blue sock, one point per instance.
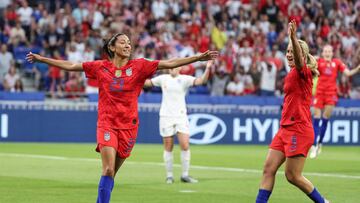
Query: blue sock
point(263, 196)
point(324, 123)
point(316, 128)
point(316, 196)
point(106, 185)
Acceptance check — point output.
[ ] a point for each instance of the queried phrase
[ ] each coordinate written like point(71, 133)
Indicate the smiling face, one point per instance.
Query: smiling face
point(121, 47)
point(327, 52)
point(290, 56)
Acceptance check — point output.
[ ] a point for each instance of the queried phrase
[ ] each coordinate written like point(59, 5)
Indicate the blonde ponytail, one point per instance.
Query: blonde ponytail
point(310, 59)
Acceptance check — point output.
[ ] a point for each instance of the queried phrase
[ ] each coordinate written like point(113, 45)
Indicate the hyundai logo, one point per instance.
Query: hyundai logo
point(206, 128)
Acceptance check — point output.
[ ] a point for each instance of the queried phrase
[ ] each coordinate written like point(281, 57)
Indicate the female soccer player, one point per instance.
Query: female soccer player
point(326, 94)
point(296, 135)
point(173, 118)
point(120, 82)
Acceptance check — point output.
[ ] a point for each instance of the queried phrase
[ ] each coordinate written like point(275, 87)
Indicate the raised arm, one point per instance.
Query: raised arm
point(352, 72)
point(177, 62)
point(65, 65)
point(205, 76)
point(297, 53)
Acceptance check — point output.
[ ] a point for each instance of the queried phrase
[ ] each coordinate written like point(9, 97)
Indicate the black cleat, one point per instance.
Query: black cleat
point(188, 179)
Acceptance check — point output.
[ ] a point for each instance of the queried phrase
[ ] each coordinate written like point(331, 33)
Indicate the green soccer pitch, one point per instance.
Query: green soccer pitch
point(69, 173)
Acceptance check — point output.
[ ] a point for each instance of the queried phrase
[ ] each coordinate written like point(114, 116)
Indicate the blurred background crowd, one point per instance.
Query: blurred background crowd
point(250, 35)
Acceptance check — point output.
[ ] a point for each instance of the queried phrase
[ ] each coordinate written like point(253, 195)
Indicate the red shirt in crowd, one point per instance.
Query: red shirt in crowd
point(328, 74)
point(298, 95)
point(119, 88)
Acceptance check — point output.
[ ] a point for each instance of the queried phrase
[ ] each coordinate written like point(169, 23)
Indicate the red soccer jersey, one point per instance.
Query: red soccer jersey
point(328, 74)
point(297, 100)
point(119, 89)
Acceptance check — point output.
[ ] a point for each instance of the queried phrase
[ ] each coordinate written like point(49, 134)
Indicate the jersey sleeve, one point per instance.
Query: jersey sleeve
point(341, 66)
point(188, 80)
point(148, 68)
point(156, 81)
point(91, 68)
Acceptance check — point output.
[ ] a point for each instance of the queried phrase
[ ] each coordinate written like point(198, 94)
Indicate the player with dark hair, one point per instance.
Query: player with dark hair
point(326, 94)
point(120, 82)
point(296, 135)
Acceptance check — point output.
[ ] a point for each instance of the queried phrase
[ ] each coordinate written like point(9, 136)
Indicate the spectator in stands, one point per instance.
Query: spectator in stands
point(18, 87)
point(159, 32)
point(344, 87)
point(17, 35)
point(6, 61)
point(25, 12)
point(219, 81)
point(53, 41)
point(56, 76)
point(268, 78)
point(240, 84)
point(10, 79)
point(41, 71)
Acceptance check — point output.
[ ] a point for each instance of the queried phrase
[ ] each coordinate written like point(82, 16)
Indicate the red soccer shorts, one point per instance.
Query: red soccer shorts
point(293, 140)
point(322, 99)
point(122, 140)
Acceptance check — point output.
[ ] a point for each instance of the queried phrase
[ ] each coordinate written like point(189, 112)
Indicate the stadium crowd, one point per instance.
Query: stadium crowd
point(250, 35)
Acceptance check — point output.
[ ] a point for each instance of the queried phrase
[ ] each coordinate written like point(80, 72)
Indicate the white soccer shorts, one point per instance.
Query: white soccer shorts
point(169, 126)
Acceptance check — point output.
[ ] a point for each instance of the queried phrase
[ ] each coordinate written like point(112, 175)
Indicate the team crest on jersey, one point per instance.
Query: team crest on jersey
point(128, 72)
point(107, 136)
point(118, 73)
point(333, 64)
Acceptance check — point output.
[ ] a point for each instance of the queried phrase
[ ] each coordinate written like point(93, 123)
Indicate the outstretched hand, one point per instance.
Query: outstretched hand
point(208, 55)
point(31, 57)
point(292, 28)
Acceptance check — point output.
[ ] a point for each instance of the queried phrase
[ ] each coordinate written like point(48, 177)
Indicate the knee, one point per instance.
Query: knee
point(185, 147)
point(269, 170)
point(292, 177)
point(108, 171)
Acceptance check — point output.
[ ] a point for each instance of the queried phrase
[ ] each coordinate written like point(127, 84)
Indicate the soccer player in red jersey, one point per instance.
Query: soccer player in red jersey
point(296, 134)
point(120, 82)
point(326, 94)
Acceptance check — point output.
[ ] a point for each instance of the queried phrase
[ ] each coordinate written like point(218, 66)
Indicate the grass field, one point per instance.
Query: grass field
point(69, 173)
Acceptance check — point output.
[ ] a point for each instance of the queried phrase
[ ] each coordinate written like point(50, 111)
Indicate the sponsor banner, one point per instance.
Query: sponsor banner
point(223, 127)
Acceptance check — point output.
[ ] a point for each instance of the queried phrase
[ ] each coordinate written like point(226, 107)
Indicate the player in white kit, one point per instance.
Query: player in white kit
point(173, 117)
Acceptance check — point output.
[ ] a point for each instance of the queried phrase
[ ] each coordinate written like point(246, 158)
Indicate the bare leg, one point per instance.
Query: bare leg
point(118, 163)
point(273, 161)
point(293, 172)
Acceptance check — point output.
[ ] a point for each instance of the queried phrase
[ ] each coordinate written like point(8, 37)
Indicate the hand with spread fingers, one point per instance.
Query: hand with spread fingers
point(31, 57)
point(208, 55)
point(292, 29)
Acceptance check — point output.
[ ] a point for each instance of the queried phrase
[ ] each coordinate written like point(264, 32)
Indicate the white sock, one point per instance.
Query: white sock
point(168, 160)
point(185, 162)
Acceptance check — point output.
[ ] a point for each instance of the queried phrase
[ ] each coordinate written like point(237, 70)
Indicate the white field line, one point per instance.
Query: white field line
point(208, 168)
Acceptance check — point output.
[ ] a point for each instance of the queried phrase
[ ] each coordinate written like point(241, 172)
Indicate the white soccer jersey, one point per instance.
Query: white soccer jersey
point(174, 90)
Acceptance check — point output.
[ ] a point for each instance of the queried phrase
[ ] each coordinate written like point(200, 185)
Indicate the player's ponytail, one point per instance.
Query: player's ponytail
point(310, 59)
point(110, 42)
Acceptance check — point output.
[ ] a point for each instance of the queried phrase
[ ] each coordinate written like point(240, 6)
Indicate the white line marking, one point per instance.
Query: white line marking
point(209, 168)
point(187, 191)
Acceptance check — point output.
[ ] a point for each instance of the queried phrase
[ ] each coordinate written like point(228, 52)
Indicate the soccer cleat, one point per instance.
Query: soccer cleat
point(169, 180)
point(188, 179)
point(327, 201)
point(313, 151)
